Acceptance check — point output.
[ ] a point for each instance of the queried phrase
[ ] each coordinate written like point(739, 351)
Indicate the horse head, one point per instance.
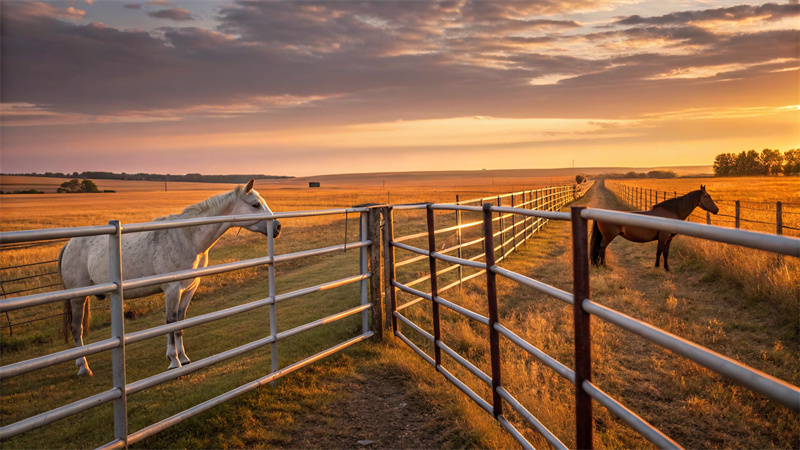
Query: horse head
point(250, 202)
point(706, 202)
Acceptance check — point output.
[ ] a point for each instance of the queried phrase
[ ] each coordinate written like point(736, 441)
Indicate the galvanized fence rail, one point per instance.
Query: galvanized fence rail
point(584, 309)
point(118, 340)
point(783, 217)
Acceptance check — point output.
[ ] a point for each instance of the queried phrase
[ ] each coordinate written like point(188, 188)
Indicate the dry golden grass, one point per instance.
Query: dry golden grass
point(756, 273)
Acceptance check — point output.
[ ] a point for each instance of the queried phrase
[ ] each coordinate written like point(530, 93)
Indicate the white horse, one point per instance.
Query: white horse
point(84, 262)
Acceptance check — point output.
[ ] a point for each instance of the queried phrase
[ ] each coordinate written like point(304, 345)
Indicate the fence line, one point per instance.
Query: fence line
point(584, 309)
point(645, 198)
point(118, 340)
point(370, 298)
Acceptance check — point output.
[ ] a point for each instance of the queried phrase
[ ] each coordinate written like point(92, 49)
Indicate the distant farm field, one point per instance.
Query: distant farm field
point(695, 407)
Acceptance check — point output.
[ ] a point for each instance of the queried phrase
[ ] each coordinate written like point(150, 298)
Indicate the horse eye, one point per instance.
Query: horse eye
point(256, 205)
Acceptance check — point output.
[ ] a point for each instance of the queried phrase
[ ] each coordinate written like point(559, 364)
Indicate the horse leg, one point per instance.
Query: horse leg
point(659, 250)
point(186, 297)
point(603, 244)
point(666, 251)
point(171, 301)
point(78, 306)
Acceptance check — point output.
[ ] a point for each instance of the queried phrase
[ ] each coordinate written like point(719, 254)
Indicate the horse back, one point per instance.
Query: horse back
point(85, 260)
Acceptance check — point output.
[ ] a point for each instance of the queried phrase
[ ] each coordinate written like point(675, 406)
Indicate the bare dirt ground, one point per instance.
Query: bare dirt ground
point(374, 410)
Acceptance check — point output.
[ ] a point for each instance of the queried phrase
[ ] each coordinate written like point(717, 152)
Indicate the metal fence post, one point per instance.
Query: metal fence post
point(491, 294)
point(459, 237)
point(779, 218)
point(363, 260)
point(581, 321)
point(529, 219)
point(375, 287)
point(437, 353)
point(738, 209)
point(708, 218)
point(502, 230)
point(273, 311)
point(513, 225)
point(388, 268)
point(118, 332)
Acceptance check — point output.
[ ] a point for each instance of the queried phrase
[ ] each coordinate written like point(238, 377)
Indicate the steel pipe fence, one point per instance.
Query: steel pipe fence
point(116, 287)
point(586, 393)
point(539, 206)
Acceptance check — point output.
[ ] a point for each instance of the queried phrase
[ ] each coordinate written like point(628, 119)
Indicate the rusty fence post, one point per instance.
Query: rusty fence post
point(779, 218)
point(491, 294)
point(375, 287)
point(437, 353)
point(390, 321)
point(738, 212)
point(581, 321)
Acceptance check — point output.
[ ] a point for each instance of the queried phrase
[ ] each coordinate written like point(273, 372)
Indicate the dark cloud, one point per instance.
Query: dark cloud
point(176, 14)
point(768, 12)
point(365, 61)
point(133, 5)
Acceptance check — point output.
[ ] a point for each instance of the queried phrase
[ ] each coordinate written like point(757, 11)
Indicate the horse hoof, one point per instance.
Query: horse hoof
point(174, 365)
point(85, 373)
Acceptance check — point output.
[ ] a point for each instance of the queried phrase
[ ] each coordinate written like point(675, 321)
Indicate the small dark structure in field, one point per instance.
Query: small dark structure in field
point(313, 184)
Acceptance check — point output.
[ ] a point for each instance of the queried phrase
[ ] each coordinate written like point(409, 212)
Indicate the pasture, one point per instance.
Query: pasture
point(692, 406)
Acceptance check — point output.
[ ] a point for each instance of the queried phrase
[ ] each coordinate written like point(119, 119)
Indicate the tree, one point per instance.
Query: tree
point(661, 174)
point(89, 186)
point(748, 163)
point(724, 164)
point(580, 179)
point(70, 186)
point(791, 165)
point(74, 185)
point(771, 160)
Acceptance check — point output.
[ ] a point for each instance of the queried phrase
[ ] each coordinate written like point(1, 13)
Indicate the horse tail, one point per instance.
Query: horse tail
point(594, 244)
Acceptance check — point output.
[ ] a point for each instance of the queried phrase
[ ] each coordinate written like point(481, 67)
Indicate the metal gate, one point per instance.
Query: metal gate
point(120, 388)
point(584, 308)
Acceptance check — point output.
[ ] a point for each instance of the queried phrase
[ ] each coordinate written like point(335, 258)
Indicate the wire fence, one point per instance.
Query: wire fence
point(782, 218)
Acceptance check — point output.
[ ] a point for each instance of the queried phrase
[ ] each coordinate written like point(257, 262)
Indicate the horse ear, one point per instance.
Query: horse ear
point(702, 187)
point(249, 186)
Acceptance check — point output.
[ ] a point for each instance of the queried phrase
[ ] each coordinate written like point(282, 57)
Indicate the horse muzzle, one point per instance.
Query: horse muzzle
point(276, 228)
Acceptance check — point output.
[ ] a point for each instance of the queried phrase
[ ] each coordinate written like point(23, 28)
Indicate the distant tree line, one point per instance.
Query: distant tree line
point(751, 162)
point(650, 174)
point(193, 177)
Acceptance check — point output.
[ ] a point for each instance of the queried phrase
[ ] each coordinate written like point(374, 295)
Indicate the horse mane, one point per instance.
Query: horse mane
point(207, 207)
point(683, 203)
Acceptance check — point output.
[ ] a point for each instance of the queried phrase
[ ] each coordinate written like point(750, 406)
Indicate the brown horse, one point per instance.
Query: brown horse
point(676, 208)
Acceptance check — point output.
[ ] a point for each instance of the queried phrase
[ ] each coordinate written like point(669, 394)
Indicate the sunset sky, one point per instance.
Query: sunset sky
point(307, 87)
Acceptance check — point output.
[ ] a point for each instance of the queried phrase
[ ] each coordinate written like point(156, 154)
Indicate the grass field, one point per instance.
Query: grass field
point(694, 407)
